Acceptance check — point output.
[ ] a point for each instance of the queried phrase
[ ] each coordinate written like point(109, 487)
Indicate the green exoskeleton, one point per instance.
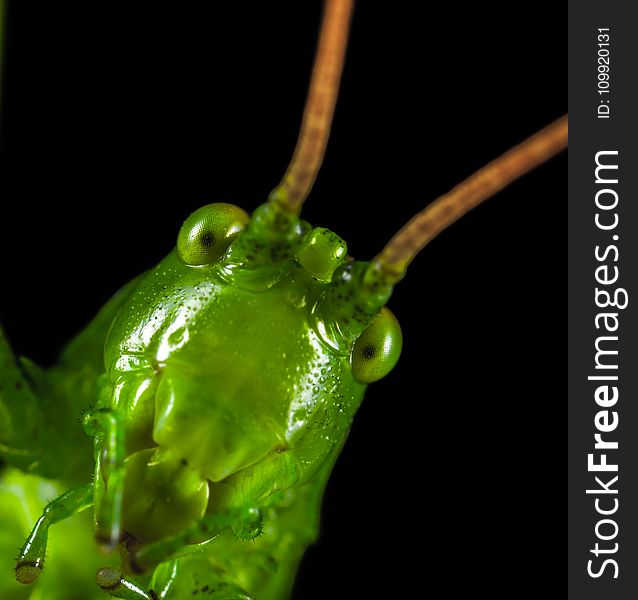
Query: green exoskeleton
point(218, 388)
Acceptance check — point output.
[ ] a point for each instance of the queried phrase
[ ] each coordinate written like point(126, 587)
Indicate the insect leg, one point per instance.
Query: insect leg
point(20, 411)
point(246, 523)
point(106, 425)
point(31, 559)
point(113, 583)
point(172, 580)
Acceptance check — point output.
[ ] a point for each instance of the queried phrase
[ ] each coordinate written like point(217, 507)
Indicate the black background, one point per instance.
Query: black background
point(120, 118)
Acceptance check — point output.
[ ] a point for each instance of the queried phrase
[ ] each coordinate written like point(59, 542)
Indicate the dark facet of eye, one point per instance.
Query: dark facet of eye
point(207, 233)
point(378, 348)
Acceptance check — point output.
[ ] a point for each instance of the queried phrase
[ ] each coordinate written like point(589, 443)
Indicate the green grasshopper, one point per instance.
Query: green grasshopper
point(194, 456)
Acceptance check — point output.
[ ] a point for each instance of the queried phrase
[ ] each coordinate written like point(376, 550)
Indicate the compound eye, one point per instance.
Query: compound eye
point(378, 348)
point(208, 232)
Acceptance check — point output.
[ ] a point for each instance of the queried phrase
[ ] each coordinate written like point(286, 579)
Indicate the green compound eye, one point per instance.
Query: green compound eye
point(378, 348)
point(207, 233)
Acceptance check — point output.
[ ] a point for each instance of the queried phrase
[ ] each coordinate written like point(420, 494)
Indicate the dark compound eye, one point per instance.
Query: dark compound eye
point(208, 232)
point(378, 348)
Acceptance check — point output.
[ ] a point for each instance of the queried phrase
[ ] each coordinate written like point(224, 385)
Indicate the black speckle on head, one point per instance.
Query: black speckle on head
point(208, 239)
point(152, 594)
point(205, 588)
point(368, 351)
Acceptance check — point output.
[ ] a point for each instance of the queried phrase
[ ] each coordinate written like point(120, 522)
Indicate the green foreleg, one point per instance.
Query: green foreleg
point(173, 580)
point(31, 559)
point(246, 523)
point(106, 426)
point(113, 583)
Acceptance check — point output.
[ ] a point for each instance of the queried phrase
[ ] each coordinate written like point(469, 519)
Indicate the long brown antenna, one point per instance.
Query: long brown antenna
point(445, 210)
point(317, 118)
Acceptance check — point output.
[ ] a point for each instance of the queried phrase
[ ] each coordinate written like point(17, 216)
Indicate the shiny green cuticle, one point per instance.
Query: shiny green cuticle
point(217, 390)
point(321, 253)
